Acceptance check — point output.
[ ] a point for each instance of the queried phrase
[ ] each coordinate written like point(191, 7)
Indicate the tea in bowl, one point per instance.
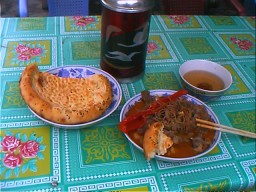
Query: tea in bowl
point(206, 80)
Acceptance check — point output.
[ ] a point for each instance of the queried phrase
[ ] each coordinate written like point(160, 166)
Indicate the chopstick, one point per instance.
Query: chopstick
point(223, 128)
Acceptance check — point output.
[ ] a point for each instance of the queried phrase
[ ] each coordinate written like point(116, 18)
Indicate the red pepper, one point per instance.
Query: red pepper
point(137, 121)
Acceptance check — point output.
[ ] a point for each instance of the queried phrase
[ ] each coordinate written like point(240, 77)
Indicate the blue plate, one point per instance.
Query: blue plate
point(163, 92)
point(86, 71)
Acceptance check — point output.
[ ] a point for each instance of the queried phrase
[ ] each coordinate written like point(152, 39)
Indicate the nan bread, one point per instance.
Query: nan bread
point(155, 142)
point(65, 100)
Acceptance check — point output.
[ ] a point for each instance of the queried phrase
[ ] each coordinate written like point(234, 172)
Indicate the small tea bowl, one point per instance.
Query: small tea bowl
point(205, 80)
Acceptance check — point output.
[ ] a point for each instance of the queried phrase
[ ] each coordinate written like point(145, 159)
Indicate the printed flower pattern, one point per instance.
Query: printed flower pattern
point(28, 53)
point(20, 153)
point(242, 44)
point(179, 19)
point(152, 46)
point(83, 23)
point(10, 144)
point(29, 149)
point(153, 49)
point(11, 160)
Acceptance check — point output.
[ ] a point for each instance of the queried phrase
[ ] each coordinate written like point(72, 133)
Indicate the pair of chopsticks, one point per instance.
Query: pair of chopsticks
point(223, 128)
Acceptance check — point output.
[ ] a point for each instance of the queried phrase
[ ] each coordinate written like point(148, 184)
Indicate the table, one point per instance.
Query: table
point(100, 158)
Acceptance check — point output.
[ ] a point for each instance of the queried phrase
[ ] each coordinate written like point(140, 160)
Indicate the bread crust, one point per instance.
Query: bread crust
point(65, 100)
point(155, 141)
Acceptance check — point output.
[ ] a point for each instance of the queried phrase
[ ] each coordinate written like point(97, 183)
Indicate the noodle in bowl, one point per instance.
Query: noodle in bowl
point(161, 93)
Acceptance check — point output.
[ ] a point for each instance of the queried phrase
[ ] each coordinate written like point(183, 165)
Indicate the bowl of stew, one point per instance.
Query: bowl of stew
point(178, 117)
point(205, 80)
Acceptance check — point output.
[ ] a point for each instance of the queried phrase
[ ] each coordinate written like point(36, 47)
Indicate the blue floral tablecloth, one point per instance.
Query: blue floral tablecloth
point(36, 156)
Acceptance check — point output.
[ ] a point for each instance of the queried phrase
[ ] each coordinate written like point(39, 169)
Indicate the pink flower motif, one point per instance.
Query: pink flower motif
point(76, 18)
point(11, 160)
point(179, 19)
point(245, 44)
point(29, 149)
point(84, 21)
point(242, 44)
point(80, 23)
point(22, 48)
point(36, 51)
point(234, 40)
point(151, 47)
point(10, 143)
point(24, 57)
point(90, 19)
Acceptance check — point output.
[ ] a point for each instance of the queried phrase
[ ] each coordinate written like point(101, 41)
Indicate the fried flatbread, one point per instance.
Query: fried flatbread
point(65, 100)
point(155, 142)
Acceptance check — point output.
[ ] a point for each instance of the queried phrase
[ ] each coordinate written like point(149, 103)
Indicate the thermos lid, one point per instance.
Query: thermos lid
point(128, 6)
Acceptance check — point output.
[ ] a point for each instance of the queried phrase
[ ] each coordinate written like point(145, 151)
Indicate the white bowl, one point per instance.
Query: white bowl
point(206, 66)
point(163, 92)
point(77, 71)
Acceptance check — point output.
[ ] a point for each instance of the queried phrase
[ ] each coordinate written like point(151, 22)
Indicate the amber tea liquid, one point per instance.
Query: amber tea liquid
point(204, 80)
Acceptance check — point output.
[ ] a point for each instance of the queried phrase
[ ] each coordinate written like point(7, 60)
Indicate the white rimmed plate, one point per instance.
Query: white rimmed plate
point(163, 92)
point(77, 71)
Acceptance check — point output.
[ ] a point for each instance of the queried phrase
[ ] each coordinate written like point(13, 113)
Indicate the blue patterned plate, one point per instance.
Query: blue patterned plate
point(86, 71)
point(163, 92)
